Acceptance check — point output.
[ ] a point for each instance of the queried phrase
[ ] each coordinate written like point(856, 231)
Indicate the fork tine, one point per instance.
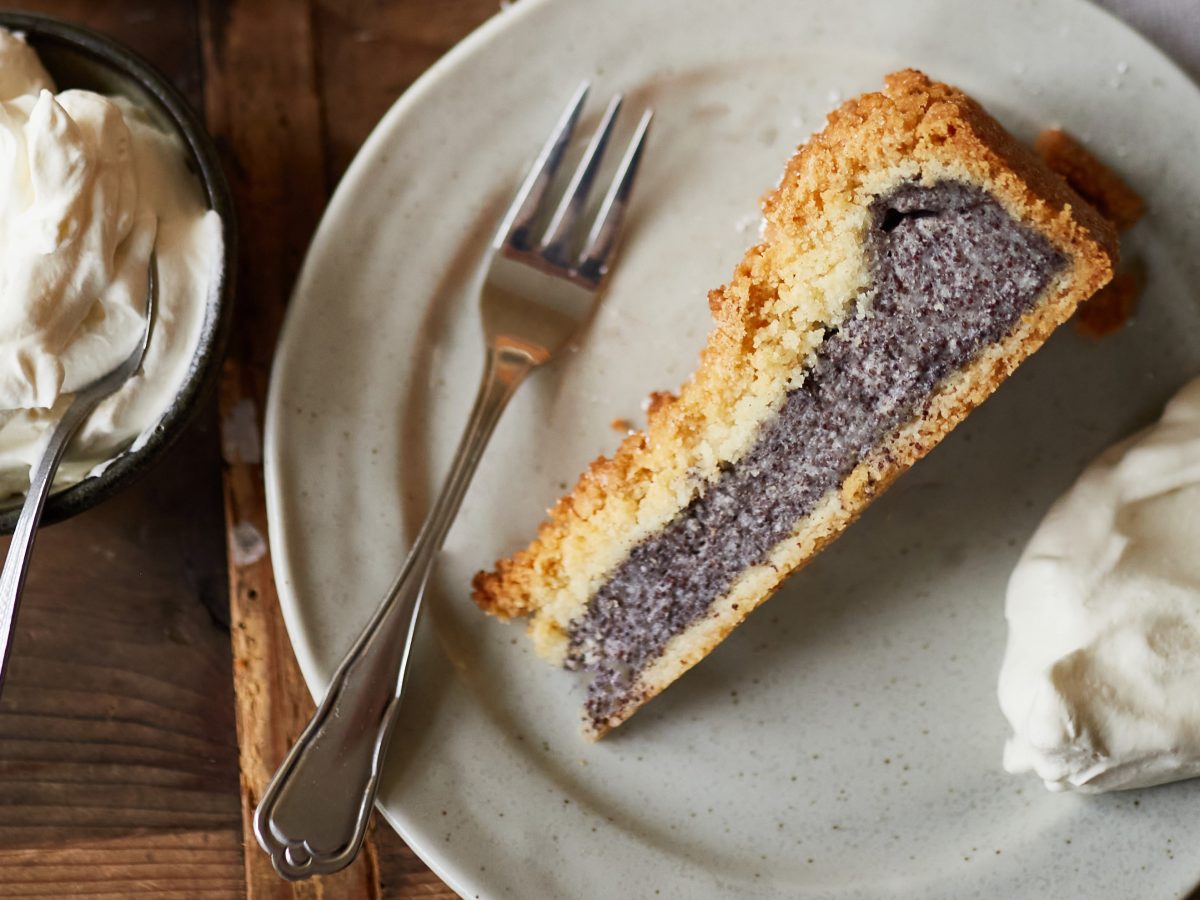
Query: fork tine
point(561, 230)
point(514, 229)
point(606, 230)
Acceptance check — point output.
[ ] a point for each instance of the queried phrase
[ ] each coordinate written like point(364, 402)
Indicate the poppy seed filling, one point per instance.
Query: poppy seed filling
point(950, 272)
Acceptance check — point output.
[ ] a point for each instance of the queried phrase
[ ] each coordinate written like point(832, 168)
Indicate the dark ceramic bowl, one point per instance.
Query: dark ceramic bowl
point(76, 57)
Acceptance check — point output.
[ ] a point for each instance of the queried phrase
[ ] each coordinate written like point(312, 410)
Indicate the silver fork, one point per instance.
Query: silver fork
point(536, 297)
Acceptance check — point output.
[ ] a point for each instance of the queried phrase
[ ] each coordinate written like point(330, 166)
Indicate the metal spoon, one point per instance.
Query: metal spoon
point(87, 398)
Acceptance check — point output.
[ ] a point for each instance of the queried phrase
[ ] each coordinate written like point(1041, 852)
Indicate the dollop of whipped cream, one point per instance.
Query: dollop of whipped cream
point(1101, 678)
point(88, 186)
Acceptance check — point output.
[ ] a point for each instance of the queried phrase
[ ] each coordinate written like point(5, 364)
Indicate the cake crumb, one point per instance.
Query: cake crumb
point(656, 401)
point(1111, 306)
point(622, 425)
point(1092, 179)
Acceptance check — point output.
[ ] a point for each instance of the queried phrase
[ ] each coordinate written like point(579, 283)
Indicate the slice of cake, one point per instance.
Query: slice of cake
point(914, 255)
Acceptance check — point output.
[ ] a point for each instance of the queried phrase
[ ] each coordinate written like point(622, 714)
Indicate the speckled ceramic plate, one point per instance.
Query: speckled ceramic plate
point(846, 741)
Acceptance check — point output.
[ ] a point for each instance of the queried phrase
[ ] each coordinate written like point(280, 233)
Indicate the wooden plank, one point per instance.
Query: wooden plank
point(116, 727)
point(163, 31)
point(118, 759)
point(263, 108)
point(370, 52)
point(202, 864)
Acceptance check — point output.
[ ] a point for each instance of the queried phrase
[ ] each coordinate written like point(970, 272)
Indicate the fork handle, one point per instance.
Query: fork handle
point(313, 815)
point(41, 479)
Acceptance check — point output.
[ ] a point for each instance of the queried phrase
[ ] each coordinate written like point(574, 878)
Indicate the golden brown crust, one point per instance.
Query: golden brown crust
point(783, 288)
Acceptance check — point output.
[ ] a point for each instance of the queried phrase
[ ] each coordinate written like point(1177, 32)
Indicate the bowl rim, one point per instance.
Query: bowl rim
point(202, 375)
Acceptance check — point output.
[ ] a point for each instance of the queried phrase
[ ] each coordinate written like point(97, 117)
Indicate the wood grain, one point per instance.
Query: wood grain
point(118, 763)
point(370, 51)
point(263, 109)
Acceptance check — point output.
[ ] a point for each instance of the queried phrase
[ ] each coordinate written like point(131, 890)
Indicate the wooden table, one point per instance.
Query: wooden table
point(119, 766)
point(119, 759)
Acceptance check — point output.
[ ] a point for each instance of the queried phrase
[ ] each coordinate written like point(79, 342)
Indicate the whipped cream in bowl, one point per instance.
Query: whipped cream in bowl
point(101, 161)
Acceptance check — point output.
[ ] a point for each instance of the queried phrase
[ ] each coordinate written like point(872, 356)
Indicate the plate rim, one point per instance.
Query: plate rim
point(507, 17)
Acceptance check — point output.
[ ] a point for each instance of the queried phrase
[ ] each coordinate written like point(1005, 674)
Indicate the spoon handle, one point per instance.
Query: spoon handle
point(16, 564)
point(41, 477)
